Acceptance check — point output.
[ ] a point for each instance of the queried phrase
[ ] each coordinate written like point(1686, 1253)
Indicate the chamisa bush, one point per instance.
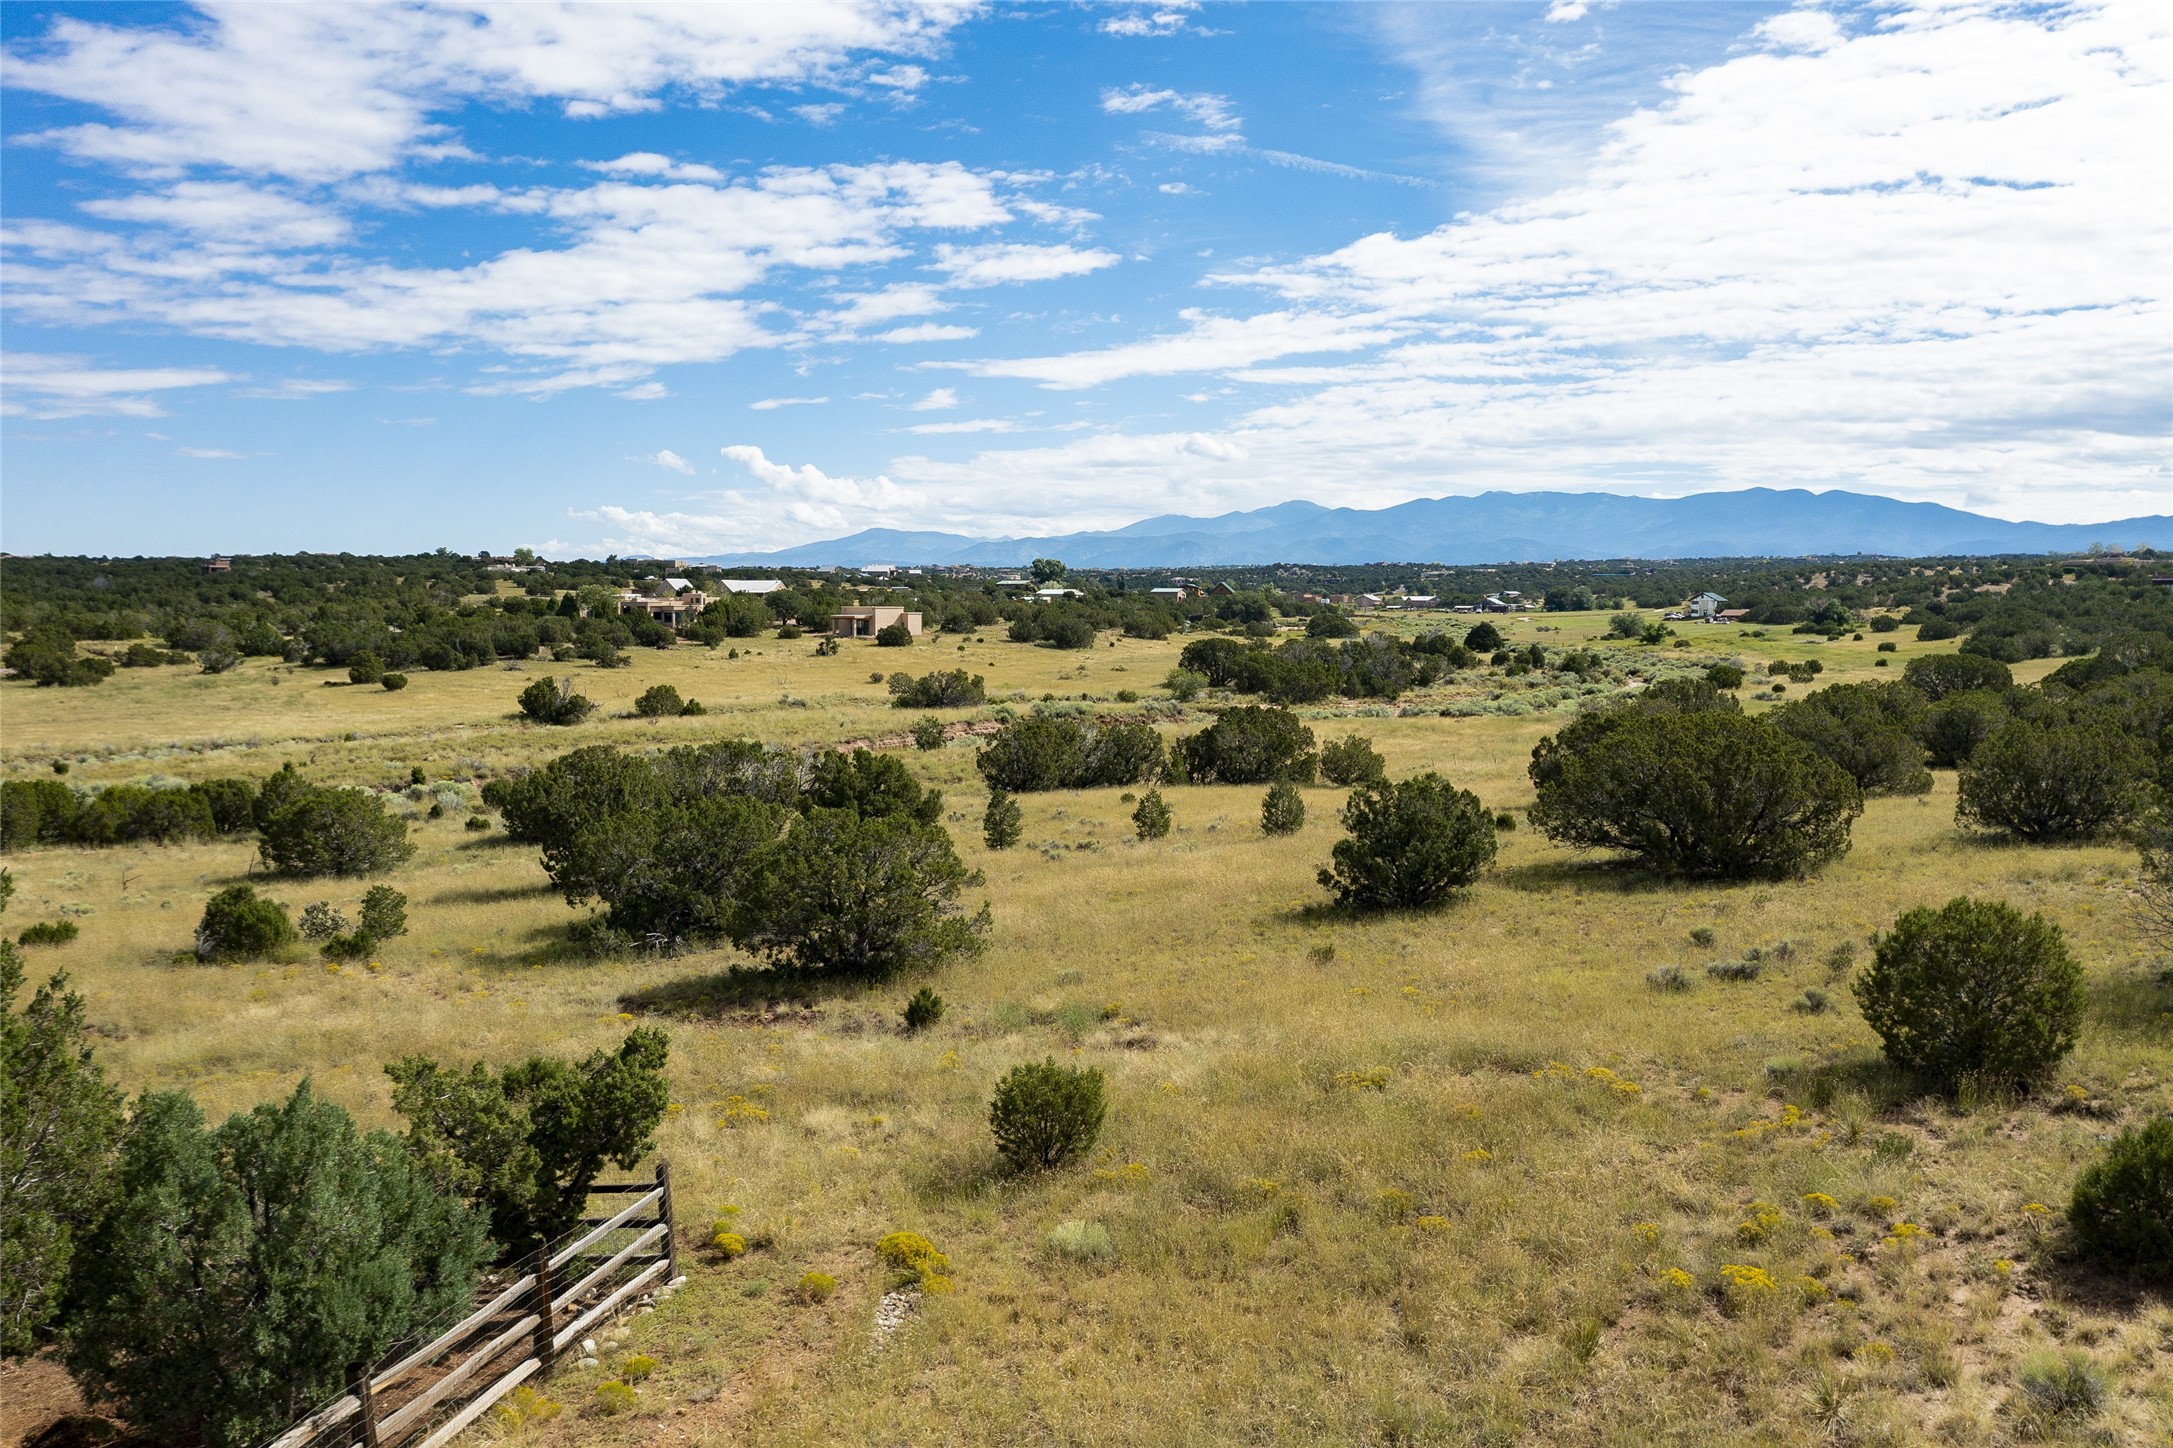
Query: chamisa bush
point(238, 925)
point(1044, 1113)
point(2121, 1212)
point(1409, 844)
point(1282, 812)
point(1973, 992)
point(2064, 782)
point(1351, 760)
point(1707, 792)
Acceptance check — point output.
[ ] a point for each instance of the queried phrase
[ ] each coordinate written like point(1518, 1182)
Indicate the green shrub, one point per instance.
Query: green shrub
point(384, 913)
point(1045, 752)
point(1670, 979)
point(1951, 729)
point(1937, 675)
point(524, 1143)
point(1079, 1241)
point(1184, 685)
point(1703, 793)
point(1747, 969)
point(638, 1368)
point(2063, 782)
point(1483, 638)
point(553, 701)
point(817, 1287)
point(1252, 745)
point(659, 701)
point(1002, 821)
point(614, 1397)
point(943, 689)
point(1151, 820)
point(2122, 1209)
point(57, 1128)
point(218, 659)
point(478, 822)
point(867, 898)
point(890, 636)
point(48, 932)
point(1409, 845)
point(1504, 822)
point(287, 1246)
point(1867, 730)
point(365, 668)
point(239, 926)
point(928, 733)
point(1351, 761)
point(1282, 812)
point(1044, 1113)
point(1724, 676)
point(46, 653)
point(924, 1010)
point(393, 683)
point(306, 830)
point(872, 785)
point(1975, 990)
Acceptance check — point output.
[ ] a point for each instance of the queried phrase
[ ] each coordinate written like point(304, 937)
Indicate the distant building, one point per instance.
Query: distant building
point(1055, 592)
point(1705, 605)
point(749, 585)
point(866, 621)
point(878, 570)
point(219, 565)
point(1421, 600)
point(1731, 615)
point(672, 601)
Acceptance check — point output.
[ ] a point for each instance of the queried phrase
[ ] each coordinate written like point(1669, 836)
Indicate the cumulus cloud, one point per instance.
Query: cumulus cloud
point(39, 385)
point(649, 163)
point(322, 92)
point(1164, 19)
point(938, 400)
point(1926, 258)
point(783, 504)
point(666, 458)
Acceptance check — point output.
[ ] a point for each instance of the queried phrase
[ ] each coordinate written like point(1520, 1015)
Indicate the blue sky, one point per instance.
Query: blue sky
point(689, 279)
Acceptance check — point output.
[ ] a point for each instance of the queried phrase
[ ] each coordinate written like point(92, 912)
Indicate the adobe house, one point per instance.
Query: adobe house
point(672, 601)
point(866, 621)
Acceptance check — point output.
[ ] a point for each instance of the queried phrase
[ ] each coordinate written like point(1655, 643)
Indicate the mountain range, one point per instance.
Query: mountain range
point(1500, 528)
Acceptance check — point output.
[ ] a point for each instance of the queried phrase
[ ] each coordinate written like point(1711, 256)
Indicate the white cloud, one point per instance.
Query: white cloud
point(926, 332)
point(299, 389)
point(771, 404)
point(321, 92)
point(998, 263)
point(651, 274)
point(978, 424)
point(1163, 19)
point(1566, 10)
point(666, 458)
point(824, 114)
point(38, 385)
point(1175, 188)
point(1209, 110)
point(649, 163)
point(938, 400)
point(207, 452)
point(227, 211)
point(1927, 259)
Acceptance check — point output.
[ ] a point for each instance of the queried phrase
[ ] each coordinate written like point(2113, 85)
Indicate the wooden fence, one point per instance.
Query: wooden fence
point(423, 1396)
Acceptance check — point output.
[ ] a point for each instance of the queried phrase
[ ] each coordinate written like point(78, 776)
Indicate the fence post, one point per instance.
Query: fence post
point(546, 1314)
point(664, 1215)
point(358, 1383)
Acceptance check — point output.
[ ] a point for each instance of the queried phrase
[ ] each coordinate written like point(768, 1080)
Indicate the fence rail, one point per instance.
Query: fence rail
point(423, 1395)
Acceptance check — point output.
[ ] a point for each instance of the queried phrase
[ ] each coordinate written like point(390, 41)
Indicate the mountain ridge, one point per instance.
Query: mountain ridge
point(1497, 527)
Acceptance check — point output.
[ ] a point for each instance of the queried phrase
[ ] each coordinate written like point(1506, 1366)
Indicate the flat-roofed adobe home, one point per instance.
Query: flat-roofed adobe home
point(672, 601)
point(865, 621)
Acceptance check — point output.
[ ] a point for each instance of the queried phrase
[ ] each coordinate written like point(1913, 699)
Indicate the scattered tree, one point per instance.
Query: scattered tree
point(1351, 760)
point(659, 701)
point(1937, 675)
point(1409, 844)
point(1975, 990)
point(524, 1143)
point(1252, 745)
point(943, 689)
point(554, 701)
point(1282, 812)
point(1001, 822)
point(307, 830)
point(234, 1275)
point(2059, 782)
point(1483, 637)
point(928, 733)
point(365, 668)
point(1152, 818)
point(1707, 793)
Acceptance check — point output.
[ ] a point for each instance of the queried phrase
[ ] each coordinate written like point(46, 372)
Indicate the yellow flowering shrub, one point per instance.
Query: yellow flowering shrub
point(522, 1406)
point(1372, 1079)
point(1478, 1156)
point(1763, 1220)
point(731, 1244)
point(614, 1397)
point(637, 1368)
point(1820, 1204)
point(1395, 1204)
point(1432, 1223)
point(1677, 1280)
point(817, 1287)
point(1747, 1280)
point(911, 1253)
point(738, 1110)
point(1647, 1232)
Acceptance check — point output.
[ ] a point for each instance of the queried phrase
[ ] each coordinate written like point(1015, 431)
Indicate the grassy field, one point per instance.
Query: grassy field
point(1461, 1177)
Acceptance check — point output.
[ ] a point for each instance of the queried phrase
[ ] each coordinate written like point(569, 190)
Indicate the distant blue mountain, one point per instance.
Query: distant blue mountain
point(1502, 528)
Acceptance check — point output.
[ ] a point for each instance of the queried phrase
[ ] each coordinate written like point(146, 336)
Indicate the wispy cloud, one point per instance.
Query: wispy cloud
point(771, 404)
point(39, 385)
point(938, 400)
point(666, 458)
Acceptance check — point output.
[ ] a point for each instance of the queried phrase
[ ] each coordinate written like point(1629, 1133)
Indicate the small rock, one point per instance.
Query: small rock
point(588, 1347)
point(587, 1362)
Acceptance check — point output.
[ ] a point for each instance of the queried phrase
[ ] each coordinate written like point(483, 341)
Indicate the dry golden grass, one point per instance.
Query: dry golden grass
point(1362, 1183)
